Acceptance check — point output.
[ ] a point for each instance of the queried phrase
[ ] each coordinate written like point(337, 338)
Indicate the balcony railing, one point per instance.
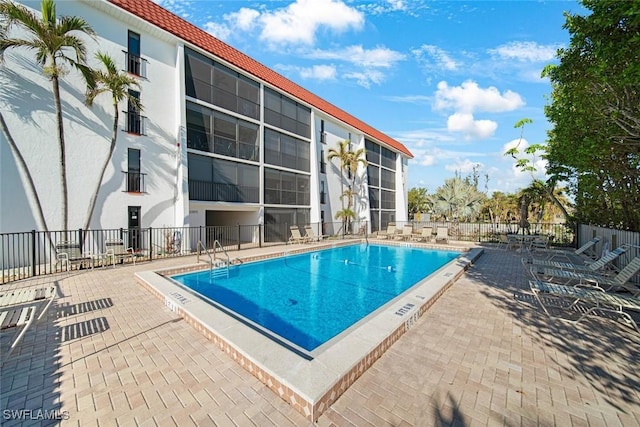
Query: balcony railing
point(135, 123)
point(136, 65)
point(134, 182)
point(219, 192)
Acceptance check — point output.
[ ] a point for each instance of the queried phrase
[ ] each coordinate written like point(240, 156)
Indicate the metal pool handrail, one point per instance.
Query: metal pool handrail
point(200, 245)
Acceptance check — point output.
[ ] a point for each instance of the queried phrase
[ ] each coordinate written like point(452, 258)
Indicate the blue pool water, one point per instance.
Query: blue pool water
point(309, 298)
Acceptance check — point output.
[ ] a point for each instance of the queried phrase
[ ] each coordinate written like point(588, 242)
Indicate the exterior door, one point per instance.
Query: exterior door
point(134, 227)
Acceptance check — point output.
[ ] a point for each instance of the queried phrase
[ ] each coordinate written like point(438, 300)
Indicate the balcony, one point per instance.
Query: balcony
point(135, 123)
point(134, 182)
point(136, 65)
point(219, 192)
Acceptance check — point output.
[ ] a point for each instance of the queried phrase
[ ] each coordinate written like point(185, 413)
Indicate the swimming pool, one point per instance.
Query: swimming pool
point(307, 299)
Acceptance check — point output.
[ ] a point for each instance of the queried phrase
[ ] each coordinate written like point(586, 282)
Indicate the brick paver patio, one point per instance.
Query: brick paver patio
point(109, 353)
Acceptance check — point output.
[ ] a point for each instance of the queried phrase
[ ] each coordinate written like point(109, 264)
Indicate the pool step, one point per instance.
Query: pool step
point(219, 269)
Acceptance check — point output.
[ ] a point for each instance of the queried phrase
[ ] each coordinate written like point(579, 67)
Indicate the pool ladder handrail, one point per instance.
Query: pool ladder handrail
point(216, 244)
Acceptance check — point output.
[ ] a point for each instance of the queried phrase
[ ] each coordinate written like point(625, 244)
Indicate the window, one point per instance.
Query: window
point(220, 133)
point(322, 193)
point(212, 179)
point(135, 179)
point(323, 164)
point(284, 113)
point(219, 85)
point(323, 134)
point(135, 63)
point(287, 151)
point(285, 188)
point(135, 122)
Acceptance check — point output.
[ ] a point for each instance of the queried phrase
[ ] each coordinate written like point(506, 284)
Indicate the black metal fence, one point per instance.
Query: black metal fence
point(33, 253)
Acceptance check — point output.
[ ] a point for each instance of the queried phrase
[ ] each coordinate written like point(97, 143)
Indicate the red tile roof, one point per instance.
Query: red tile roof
point(162, 18)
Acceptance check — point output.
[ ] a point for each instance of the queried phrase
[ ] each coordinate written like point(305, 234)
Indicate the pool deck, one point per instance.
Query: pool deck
point(110, 353)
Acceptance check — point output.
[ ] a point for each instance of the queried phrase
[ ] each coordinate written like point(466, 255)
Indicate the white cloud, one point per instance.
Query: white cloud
point(471, 128)
point(525, 51)
point(319, 72)
point(365, 77)
point(469, 97)
point(463, 166)
point(244, 19)
point(380, 57)
point(439, 57)
point(219, 31)
point(298, 22)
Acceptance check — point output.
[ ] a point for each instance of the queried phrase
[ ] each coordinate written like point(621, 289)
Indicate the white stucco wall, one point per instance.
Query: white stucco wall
point(26, 101)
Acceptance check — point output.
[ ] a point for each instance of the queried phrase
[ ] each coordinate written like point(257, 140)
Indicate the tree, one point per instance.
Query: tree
point(55, 46)
point(418, 201)
point(117, 84)
point(527, 164)
point(595, 111)
point(457, 199)
point(348, 161)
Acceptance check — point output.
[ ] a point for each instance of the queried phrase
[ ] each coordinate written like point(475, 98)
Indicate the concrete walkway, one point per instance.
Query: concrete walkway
point(109, 353)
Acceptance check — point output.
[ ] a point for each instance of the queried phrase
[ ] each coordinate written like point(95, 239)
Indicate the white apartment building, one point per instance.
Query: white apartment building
point(221, 140)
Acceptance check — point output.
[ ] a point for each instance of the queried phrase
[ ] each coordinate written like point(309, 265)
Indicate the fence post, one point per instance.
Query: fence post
point(200, 236)
point(33, 253)
point(238, 236)
point(259, 235)
point(150, 243)
point(80, 240)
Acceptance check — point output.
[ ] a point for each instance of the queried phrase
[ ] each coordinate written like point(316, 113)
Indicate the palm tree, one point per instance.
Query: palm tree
point(117, 84)
point(52, 40)
point(457, 199)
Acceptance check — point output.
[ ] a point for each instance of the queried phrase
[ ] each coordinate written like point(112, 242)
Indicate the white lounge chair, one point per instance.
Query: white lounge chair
point(407, 232)
point(389, 233)
point(619, 281)
point(296, 237)
point(424, 236)
point(592, 267)
point(442, 234)
point(310, 234)
point(19, 309)
point(582, 250)
point(596, 298)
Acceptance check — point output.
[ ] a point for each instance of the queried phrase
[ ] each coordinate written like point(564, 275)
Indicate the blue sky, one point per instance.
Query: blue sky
point(449, 79)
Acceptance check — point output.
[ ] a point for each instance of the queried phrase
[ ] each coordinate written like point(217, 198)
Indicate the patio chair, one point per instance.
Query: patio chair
point(310, 234)
point(389, 233)
point(424, 236)
point(442, 234)
point(506, 243)
point(593, 267)
point(70, 253)
point(595, 297)
point(19, 309)
point(115, 251)
point(407, 232)
point(582, 250)
point(296, 237)
point(619, 281)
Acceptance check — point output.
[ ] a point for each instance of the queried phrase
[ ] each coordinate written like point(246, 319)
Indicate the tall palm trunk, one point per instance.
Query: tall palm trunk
point(63, 153)
point(94, 196)
point(23, 165)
